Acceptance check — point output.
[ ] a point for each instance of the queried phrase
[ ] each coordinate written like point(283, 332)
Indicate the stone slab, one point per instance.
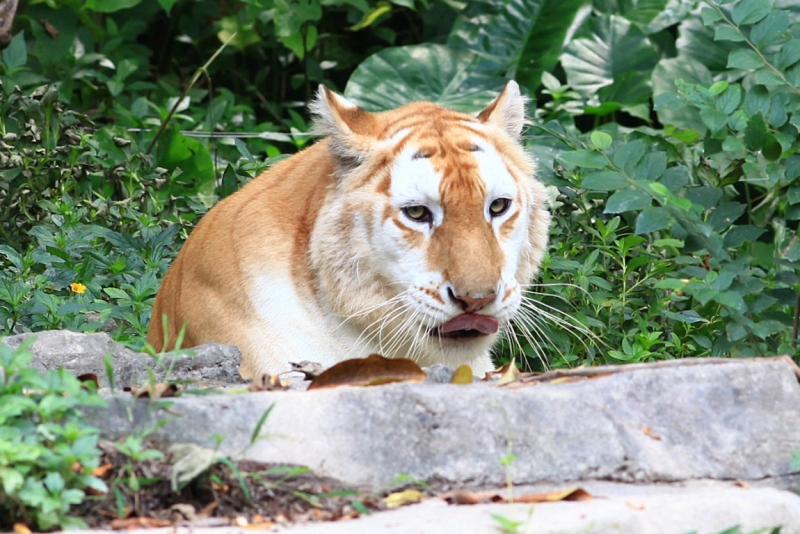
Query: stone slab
point(738, 420)
point(212, 364)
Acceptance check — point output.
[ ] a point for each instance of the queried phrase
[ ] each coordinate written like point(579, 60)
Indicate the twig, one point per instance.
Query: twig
point(612, 369)
point(185, 92)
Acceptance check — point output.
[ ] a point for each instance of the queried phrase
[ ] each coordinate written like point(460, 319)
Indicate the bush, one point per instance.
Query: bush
point(47, 451)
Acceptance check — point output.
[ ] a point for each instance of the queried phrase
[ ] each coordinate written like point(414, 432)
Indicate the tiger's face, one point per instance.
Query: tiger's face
point(435, 227)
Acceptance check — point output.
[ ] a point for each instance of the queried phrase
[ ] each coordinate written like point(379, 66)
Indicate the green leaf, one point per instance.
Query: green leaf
point(724, 215)
point(663, 81)
point(615, 47)
point(710, 16)
point(770, 29)
point(769, 78)
point(601, 140)
point(604, 181)
point(756, 133)
point(688, 316)
point(751, 11)
point(744, 59)
point(651, 219)
point(629, 154)
point(735, 331)
point(651, 167)
point(167, 4)
point(587, 159)
point(174, 151)
point(772, 148)
point(627, 200)
point(697, 42)
point(713, 119)
point(16, 54)
point(291, 15)
point(739, 235)
point(788, 55)
point(520, 38)
point(675, 178)
point(728, 33)
point(110, 6)
point(433, 72)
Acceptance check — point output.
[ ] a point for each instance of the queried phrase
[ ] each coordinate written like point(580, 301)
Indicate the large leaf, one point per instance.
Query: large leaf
point(515, 38)
point(615, 48)
point(650, 15)
point(697, 42)
point(175, 150)
point(663, 79)
point(433, 72)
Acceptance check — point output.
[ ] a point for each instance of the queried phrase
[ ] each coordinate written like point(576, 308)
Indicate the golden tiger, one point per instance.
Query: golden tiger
point(407, 233)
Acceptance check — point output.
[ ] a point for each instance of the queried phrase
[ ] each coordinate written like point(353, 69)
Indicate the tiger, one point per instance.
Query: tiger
point(409, 233)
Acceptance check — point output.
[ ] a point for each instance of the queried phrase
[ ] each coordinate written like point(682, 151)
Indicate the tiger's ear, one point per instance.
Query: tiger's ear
point(507, 111)
point(351, 130)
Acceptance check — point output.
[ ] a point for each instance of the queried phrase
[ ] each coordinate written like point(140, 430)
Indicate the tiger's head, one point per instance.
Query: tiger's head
point(433, 228)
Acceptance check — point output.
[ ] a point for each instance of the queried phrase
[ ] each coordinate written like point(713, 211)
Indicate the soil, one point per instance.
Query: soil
point(238, 493)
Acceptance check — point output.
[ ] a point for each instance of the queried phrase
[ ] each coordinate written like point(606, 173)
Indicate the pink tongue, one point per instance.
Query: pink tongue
point(470, 321)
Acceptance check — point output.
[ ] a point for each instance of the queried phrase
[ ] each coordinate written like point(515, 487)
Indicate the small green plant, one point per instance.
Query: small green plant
point(47, 451)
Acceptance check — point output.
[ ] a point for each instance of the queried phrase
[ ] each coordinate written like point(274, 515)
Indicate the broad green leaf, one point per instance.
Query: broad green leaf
point(709, 15)
point(601, 140)
point(615, 47)
point(604, 181)
point(651, 219)
point(713, 119)
point(16, 54)
point(788, 55)
point(751, 11)
point(738, 235)
point(697, 42)
point(51, 50)
point(735, 331)
point(110, 6)
point(756, 132)
point(433, 72)
point(770, 29)
point(744, 59)
point(627, 200)
point(587, 159)
point(769, 78)
point(515, 38)
point(675, 178)
point(167, 4)
point(291, 15)
point(174, 151)
point(729, 100)
point(688, 316)
point(724, 215)
point(629, 154)
point(728, 33)
point(664, 75)
point(650, 167)
point(245, 34)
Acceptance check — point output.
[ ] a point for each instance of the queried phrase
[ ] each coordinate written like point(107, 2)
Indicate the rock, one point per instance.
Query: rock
point(85, 353)
point(737, 420)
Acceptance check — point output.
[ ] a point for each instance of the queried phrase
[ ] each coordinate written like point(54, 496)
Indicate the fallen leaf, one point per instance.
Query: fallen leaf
point(650, 434)
point(463, 375)
point(21, 528)
point(101, 471)
point(742, 484)
point(139, 522)
point(373, 370)
point(510, 373)
point(468, 497)
point(189, 461)
point(89, 377)
point(157, 391)
point(309, 369)
point(182, 511)
point(267, 382)
point(635, 506)
point(401, 498)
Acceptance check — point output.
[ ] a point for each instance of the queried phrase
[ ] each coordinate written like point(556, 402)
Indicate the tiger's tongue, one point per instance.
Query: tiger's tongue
point(470, 321)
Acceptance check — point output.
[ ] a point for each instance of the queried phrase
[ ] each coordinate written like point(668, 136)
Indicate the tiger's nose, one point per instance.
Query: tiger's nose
point(470, 304)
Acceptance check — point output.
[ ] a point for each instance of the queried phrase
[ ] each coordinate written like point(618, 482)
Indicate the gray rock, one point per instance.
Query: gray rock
point(86, 353)
point(738, 420)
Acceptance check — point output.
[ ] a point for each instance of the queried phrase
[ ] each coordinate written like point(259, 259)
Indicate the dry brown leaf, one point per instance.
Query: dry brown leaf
point(634, 505)
point(267, 382)
point(373, 370)
point(463, 375)
point(157, 391)
point(650, 434)
point(139, 522)
point(401, 498)
point(510, 373)
point(566, 380)
point(742, 484)
point(49, 28)
point(89, 377)
point(21, 528)
point(478, 497)
point(101, 471)
point(311, 370)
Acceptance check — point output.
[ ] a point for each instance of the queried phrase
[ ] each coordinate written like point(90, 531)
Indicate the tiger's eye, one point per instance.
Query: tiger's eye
point(418, 213)
point(499, 206)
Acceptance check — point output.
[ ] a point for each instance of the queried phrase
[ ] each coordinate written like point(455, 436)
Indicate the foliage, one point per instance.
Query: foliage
point(665, 130)
point(47, 451)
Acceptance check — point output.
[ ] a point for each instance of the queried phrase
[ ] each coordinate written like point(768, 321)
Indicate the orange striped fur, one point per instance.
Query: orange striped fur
point(409, 233)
